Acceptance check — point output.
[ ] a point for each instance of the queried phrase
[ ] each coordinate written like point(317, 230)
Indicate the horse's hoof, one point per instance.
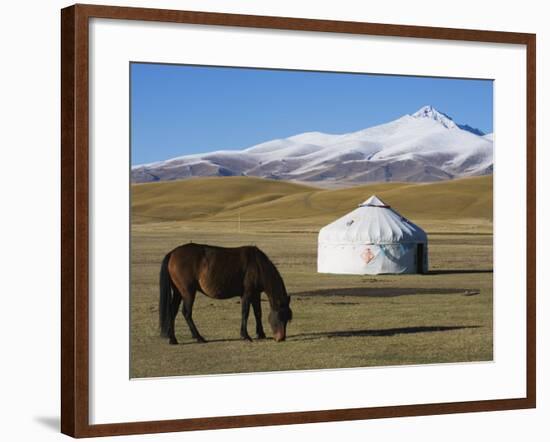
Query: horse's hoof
point(261, 336)
point(201, 341)
point(246, 338)
point(173, 342)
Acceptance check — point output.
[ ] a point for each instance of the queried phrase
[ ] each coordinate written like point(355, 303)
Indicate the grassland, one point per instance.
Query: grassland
point(339, 321)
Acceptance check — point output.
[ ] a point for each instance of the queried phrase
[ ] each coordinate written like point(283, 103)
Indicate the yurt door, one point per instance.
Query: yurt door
point(420, 258)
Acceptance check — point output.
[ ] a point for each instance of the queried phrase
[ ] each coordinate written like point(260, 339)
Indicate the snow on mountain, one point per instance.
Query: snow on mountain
point(431, 113)
point(425, 146)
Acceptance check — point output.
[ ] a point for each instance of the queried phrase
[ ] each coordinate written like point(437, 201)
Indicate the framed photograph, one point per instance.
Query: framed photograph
point(272, 220)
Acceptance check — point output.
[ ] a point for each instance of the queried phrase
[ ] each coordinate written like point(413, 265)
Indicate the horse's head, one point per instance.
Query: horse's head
point(274, 287)
point(278, 319)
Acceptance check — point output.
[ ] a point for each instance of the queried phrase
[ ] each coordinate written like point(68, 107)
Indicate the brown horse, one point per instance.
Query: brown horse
point(221, 273)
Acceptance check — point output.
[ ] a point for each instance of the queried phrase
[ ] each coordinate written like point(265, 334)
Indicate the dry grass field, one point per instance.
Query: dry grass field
point(339, 320)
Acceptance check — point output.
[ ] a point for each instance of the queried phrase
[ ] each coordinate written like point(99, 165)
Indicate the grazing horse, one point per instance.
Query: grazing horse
point(221, 273)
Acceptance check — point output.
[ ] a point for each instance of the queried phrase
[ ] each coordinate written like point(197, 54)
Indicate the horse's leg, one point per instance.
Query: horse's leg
point(245, 310)
point(174, 311)
point(187, 310)
point(257, 307)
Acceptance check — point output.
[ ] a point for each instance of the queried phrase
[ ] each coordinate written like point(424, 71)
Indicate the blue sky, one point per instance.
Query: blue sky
point(178, 110)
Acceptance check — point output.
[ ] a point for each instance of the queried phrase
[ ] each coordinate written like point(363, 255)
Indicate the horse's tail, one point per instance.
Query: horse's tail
point(165, 300)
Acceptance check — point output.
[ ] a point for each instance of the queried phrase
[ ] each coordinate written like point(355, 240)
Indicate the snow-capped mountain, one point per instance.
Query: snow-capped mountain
point(424, 146)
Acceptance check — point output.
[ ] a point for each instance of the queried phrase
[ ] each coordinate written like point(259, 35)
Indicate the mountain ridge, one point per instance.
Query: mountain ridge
point(421, 147)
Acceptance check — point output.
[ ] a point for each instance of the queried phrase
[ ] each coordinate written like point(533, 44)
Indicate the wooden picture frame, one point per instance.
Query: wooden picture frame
point(75, 219)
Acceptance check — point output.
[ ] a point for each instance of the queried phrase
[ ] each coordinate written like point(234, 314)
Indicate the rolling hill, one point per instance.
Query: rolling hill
point(205, 197)
point(257, 198)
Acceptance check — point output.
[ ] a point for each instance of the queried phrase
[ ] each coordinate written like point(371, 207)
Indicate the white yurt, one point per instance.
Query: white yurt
point(371, 240)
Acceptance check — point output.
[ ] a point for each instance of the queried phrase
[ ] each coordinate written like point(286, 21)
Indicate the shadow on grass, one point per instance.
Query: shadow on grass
point(459, 272)
point(379, 332)
point(211, 341)
point(350, 333)
point(382, 292)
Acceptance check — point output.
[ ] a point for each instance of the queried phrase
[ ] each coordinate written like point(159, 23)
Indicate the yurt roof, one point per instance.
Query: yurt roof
point(374, 201)
point(373, 222)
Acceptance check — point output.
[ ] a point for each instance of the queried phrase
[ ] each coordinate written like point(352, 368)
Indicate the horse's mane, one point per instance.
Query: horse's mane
point(270, 278)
